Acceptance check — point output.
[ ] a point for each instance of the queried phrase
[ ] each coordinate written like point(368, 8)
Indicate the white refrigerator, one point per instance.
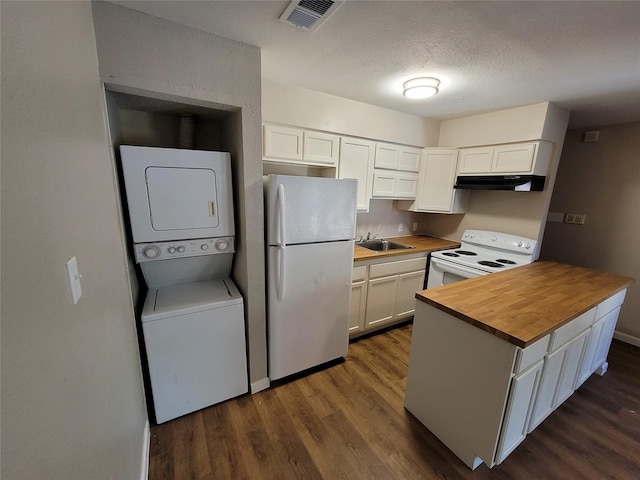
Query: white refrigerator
point(310, 231)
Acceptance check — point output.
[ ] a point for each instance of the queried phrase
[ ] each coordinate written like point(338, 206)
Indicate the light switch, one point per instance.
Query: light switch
point(74, 279)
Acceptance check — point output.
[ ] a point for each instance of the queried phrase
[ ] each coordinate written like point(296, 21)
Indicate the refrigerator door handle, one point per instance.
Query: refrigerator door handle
point(280, 215)
point(280, 252)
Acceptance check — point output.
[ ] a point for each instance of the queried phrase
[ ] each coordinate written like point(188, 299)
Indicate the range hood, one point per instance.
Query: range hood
point(517, 183)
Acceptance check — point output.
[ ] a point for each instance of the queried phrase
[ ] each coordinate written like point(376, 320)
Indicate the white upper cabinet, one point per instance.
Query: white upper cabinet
point(397, 157)
point(294, 145)
point(394, 185)
point(321, 148)
point(530, 158)
point(356, 161)
point(437, 176)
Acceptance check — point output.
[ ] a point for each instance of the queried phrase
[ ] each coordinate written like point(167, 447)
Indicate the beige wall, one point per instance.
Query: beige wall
point(602, 180)
point(518, 213)
point(72, 399)
point(290, 105)
point(147, 56)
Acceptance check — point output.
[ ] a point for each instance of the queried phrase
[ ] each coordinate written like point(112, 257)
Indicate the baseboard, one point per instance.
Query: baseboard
point(260, 385)
point(144, 464)
point(626, 338)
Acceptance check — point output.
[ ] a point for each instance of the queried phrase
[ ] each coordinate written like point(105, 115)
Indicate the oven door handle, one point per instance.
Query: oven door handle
point(456, 269)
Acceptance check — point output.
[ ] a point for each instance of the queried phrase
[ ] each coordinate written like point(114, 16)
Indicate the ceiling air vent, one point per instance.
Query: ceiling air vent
point(309, 14)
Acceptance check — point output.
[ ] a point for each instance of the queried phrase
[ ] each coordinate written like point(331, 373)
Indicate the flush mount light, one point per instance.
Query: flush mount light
point(421, 87)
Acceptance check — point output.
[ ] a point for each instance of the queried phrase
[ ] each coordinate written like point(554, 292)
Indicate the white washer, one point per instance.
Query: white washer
point(195, 341)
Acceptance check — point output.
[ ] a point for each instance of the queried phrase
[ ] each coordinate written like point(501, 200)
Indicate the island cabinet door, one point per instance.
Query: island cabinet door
point(519, 409)
point(548, 384)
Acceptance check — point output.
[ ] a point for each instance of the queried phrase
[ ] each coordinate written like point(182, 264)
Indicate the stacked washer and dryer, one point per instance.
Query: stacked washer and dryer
point(180, 206)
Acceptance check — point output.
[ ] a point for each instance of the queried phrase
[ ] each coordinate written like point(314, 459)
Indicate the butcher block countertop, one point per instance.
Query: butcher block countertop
point(523, 304)
point(422, 243)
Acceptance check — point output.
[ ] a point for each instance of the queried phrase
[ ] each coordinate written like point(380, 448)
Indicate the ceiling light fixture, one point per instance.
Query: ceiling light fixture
point(421, 87)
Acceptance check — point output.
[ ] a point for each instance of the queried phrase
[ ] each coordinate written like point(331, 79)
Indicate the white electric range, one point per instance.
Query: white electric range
point(481, 252)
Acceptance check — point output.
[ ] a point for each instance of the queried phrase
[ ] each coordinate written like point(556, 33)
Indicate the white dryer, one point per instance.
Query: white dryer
point(195, 343)
point(175, 194)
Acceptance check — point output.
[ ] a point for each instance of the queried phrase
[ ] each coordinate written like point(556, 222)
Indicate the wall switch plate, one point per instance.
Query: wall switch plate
point(74, 279)
point(415, 226)
point(400, 228)
point(575, 218)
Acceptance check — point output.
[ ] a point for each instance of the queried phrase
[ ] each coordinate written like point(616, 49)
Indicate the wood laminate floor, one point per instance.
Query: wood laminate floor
point(347, 421)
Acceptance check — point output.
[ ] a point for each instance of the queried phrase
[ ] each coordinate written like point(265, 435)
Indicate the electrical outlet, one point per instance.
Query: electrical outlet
point(415, 226)
point(400, 228)
point(575, 218)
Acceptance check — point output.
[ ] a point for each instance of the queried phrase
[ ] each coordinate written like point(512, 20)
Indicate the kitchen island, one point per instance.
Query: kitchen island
point(492, 357)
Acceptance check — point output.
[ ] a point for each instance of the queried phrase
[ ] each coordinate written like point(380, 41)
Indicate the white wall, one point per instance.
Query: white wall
point(147, 56)
point(518, 213)
point(602, 180)
point(290, 105)
point(72, 399)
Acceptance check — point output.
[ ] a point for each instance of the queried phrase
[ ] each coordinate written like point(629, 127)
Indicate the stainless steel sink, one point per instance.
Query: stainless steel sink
point(382, 245)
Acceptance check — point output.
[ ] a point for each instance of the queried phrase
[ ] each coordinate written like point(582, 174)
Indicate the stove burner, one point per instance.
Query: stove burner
point(466, 252)
point(450, 254)
point(488, 263)
point(505, 261)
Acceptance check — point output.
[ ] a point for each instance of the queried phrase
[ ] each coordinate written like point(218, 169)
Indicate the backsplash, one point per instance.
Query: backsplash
point(383, 220)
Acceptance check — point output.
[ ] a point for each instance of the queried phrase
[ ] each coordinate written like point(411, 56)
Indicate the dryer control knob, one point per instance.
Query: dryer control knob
point(181, 249)
point(222, 245)
point(151, 251)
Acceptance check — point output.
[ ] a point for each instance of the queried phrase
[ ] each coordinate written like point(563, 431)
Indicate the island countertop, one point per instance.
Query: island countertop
point(523, 304)
point(420, 243)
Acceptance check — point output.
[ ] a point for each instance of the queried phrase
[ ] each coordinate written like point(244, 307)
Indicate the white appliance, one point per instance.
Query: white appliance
point(481, 252)
point(195, 346)
point(310, 232)
point(181, 213)
point(176, 194)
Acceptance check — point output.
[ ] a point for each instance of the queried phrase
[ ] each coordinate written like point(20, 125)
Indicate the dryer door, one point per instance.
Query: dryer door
point(182, 198)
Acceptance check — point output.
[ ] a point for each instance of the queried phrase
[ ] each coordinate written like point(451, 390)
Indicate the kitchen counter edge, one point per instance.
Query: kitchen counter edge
point(522, 308)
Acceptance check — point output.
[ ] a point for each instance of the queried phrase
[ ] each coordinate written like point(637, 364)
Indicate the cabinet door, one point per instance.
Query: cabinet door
point(385, 184)
point(409, 159)
point(358, 306)
point(356, 161)
point(513, 158)
point(437, 176)
point(321, 148)
point(548, 384)
point(407, 185)
point(381, 300)
point(475, 160)
point(604, 341)
point(570, 367)
point(282, 142)
point(408, 285)
point(387, 156)
point(519, 409)
point(586, 366)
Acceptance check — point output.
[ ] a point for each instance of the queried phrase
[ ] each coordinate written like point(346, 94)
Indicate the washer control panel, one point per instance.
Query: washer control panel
point(146, 252)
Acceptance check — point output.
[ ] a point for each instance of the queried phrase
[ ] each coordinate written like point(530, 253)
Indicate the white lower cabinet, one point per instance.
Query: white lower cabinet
point(358, 299)
point(519, 409)
point(383, 292)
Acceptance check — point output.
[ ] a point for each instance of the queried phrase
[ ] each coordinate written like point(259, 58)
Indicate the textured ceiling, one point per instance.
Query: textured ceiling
point(490, 55)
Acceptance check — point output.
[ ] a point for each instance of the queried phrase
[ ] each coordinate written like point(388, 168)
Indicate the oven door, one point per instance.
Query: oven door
point(442, 272)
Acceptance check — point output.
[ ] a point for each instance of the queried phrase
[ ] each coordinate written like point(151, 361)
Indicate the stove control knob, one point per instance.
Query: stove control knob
point(180, 249)
point(527, 246)
point(472, 235)
point(519, 244)
point(204, 246)
point(494, 239)
point(171, 249)
point(151, 251)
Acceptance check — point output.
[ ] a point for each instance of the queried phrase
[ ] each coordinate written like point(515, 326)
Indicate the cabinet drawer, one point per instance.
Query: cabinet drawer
point(609, 304)
point(359, 273)
point(530, 355)
point(395, 268)
point(572, 329)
